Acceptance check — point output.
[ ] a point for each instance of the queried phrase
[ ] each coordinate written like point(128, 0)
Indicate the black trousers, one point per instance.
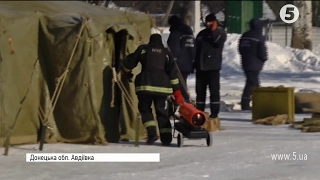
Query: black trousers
point(144, 106)
point(252, 80)
point(182, 88)
point(203, 80)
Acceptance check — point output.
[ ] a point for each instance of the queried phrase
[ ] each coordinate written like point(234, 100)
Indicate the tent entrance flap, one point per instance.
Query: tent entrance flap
point(110, 106)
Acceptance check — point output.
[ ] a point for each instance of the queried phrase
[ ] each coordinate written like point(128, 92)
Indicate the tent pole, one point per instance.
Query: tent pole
point(138, 120)
point(7, 144)
point(42, 137)
point(9, 133)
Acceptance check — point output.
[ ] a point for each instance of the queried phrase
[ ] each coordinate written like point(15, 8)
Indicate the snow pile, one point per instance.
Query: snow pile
point(281, 59)
point(231, 58)
point(307, 59)
point(291, 60)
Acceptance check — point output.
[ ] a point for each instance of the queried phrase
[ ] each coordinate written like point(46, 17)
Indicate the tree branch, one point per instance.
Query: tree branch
point(165, 18)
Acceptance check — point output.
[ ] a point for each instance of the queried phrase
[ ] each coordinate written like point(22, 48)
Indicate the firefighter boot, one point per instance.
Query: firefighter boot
point(166, 139)
point(166, 135)
point(152, 135)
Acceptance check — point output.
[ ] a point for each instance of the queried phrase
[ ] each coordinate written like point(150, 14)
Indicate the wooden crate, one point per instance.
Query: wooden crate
point(272, 101)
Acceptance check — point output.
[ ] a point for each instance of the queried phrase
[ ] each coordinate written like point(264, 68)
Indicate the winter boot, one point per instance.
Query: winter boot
point(212, 123)
point(245, 104)
point(152, 135)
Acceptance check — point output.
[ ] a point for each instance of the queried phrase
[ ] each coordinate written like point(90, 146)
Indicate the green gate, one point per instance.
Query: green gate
point(239, 13)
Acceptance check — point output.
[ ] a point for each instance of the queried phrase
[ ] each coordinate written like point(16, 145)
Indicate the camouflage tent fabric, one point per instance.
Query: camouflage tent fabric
point(61, 54)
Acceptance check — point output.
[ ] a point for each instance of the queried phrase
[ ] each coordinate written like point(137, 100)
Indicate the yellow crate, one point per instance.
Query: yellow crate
point(271, 101)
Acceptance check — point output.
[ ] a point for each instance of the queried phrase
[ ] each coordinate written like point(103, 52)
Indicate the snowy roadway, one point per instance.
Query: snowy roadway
point(241, 152)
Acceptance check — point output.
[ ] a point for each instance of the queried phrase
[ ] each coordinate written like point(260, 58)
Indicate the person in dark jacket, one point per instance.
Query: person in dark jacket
point(181, 42)
point(208, 62)
point(157, 80)
point(253, 51)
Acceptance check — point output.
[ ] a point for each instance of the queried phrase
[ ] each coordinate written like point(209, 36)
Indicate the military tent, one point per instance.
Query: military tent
point(61, 54)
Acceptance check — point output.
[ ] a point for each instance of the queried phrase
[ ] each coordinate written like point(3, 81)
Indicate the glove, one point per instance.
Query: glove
point(178, 97)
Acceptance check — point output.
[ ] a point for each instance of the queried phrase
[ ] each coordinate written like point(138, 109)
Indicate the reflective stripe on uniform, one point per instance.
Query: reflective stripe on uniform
point(149, 123)
point(154, 89)
point(253, 39)
point(175, 81)
point(165, 130)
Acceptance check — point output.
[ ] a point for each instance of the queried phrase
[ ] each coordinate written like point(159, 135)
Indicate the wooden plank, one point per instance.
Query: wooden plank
point(297, 126)
point(311, 129)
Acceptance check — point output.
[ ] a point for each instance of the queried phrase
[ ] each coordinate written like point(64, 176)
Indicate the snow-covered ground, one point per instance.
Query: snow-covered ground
point(242, 151)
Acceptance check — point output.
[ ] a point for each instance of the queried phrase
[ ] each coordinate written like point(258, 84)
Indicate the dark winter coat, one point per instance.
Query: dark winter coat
point(159, 73)
point(181, 43)
point(252, 47)
point(209, 47)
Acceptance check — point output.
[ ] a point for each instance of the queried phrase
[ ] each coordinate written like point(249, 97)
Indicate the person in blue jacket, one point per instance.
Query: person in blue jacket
point(253, 52)
point(181, 43)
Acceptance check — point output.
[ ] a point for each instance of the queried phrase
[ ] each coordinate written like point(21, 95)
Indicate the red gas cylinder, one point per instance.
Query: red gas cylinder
point(190, 113)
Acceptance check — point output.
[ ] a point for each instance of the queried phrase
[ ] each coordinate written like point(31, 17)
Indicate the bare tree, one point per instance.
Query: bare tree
point(165, 19)
point(186, 11)
point(302, 28)
point(315, 13)
point(205, 10)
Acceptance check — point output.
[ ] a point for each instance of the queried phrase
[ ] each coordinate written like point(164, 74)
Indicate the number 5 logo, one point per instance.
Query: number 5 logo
point(289, 13)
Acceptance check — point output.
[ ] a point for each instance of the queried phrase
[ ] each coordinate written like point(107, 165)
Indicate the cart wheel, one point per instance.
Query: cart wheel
point(180, 140)
point(209, 139)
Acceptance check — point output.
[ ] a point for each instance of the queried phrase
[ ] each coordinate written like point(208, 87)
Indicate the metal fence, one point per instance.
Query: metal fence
point(281, 34)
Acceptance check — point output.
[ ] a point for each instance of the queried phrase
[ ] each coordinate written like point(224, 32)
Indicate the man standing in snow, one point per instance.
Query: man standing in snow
point(208, 62)
point(253, 51)
point(181, 43)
